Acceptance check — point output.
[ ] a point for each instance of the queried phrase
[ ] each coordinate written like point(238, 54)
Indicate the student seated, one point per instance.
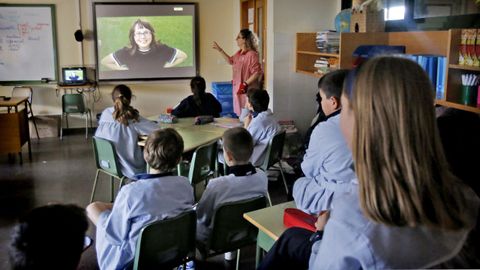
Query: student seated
point(261, 124)
point(49, 237)
point(200, 103)
point(242, 181)
point(327, 164)
point(155, 196)
point(122, 124)
point(407, 210)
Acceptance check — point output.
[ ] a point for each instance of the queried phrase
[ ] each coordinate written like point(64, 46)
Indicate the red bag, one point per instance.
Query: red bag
point(293, 217)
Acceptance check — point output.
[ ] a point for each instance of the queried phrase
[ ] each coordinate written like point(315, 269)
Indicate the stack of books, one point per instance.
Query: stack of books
point(328, 41)
point(324, 65)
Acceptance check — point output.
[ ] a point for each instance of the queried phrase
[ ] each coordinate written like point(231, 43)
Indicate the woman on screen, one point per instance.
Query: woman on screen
point(144, 52)
point(246, 67)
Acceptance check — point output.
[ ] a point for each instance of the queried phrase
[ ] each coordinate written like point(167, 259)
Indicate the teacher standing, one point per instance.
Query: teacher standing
point(246, 67)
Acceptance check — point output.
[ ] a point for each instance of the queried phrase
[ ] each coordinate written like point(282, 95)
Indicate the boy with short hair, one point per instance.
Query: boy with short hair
point(261, 124)
point(243, 181)
point(154, 196)
point(49, 237)
point(327, 164)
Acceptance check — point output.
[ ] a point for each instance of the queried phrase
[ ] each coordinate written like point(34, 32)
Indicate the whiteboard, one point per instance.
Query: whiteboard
point(27, 43)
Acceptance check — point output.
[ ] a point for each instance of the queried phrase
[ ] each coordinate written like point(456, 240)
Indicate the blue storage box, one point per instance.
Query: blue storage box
point(223, 92)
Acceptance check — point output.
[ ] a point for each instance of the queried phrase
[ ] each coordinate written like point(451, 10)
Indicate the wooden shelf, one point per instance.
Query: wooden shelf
point(311, 73)
point(445, 103)
point(462, 67)
point(319, 54)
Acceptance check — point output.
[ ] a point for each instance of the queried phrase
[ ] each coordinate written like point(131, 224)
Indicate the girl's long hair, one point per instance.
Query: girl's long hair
point(403, 174)
point(123, 112)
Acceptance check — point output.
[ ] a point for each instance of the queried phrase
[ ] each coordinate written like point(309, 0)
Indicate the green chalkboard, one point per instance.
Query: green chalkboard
point(27, 44)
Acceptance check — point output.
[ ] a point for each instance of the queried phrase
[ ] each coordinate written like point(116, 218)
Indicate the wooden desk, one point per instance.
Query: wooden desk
point(196, 135)
point(14, 126)
point(269, 222)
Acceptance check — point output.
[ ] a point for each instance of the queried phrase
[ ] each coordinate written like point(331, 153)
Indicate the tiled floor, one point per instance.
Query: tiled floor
point(63, 171)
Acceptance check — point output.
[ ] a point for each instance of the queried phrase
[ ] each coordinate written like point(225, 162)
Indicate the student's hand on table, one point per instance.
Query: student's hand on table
point(322, 220)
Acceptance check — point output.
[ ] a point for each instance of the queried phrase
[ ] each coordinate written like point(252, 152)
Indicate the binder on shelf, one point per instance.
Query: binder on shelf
point(441, 72)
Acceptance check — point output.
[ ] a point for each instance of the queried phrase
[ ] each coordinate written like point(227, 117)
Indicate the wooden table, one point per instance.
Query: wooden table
point(14, 127)
point(269, 222)
point(196, 135)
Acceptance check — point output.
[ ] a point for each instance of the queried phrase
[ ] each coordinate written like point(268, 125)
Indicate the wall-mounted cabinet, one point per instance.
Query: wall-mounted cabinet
point(445, 43)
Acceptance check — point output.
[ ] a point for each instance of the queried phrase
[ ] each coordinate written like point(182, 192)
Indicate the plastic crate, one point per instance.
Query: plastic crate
point(223, 92)
point(222, 88)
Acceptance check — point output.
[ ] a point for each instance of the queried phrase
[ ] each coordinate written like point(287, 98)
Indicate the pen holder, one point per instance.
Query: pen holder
point(469, 95)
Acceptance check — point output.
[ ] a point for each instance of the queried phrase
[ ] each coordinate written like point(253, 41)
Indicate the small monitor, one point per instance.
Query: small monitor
point(74, 75)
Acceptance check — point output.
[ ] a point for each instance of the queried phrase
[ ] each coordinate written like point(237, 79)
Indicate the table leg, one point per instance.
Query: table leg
point(264, 243)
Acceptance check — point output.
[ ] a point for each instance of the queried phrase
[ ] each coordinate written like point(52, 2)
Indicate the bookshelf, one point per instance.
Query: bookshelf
point(446, 43)
point(307, 53)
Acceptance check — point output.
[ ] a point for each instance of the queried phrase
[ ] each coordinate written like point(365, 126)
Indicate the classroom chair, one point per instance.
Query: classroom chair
point(107, 162)
point(203, 166)
point(274, 155)
point(26, 91)
point(165, 244)
point(230, 230)
point(74, 103)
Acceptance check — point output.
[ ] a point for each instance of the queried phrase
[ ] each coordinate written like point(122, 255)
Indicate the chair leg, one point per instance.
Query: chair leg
point(283, 176)
point(33, 119)
point(112, 183)
point(86, 126)
point(238, 259)
point(21, 158)
point(94, 186)
point(268, 198)
point(61, 127)
point(66, 118)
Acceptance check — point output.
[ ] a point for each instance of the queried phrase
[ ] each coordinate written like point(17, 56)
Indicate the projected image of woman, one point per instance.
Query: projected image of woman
point(144, 51)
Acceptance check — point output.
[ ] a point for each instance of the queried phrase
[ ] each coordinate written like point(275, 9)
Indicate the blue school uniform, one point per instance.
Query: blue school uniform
point(262, 128)
point(125, 139)
point(327, 166)
point(243, 182)
point(151, 198)
point(352, 241)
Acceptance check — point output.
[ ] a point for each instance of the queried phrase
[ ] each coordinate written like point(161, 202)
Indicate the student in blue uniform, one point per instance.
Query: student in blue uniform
point(122, 124)
point(242, 180)
point(200, 103)
point(261, 123)
point(155, 196)
point(406, 200)
point(327, 164)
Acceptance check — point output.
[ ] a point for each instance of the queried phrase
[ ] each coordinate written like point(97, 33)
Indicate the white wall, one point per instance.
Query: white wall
point(294, 93)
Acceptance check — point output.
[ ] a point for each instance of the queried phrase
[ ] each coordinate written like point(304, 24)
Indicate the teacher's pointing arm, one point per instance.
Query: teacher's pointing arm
point(222, 52)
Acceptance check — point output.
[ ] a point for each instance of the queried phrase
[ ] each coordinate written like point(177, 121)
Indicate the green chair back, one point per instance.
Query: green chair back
point(73, 103)
point(202, 167)
point(106, 157)
point(203, 162)
point(166, 243)
point(230, 230)
point(274, 150)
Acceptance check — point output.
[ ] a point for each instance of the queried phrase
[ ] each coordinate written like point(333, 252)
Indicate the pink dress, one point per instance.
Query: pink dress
point(244, 65)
